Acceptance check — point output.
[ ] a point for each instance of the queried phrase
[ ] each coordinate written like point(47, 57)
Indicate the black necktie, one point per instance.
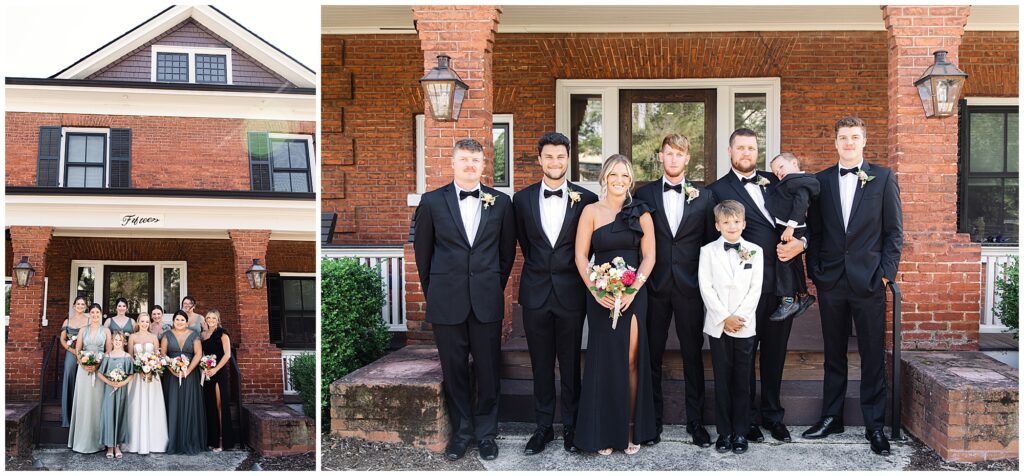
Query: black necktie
point(752, 179)
point(678, 188)
point(553, 193)
point(843, 171)
point(463, 194)
point(731, 246)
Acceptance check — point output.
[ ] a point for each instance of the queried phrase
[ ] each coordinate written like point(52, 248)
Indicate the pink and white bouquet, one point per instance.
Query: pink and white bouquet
point(615, 278)
point(178, 366)
point(149, 364)
point(116, 375)
point(206, 363)
point(90, 361)
point(71, 341)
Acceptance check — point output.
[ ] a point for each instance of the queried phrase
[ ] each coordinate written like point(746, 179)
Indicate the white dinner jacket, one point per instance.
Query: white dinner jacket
point(729, 287)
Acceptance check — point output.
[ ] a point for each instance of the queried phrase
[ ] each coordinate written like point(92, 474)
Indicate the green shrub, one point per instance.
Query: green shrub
point(352, 331)
point(1008, 291)
point(303, 375)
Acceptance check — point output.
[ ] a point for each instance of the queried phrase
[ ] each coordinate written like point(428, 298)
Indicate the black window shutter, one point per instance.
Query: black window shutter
point(120, 158)
point(275, 294)
point(259, 161)
point(48, 172)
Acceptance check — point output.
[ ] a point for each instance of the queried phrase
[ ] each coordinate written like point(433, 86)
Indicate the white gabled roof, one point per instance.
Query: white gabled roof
point(216, 21)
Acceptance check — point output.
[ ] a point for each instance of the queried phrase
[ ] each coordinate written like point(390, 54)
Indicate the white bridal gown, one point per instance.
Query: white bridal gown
point(147, 418)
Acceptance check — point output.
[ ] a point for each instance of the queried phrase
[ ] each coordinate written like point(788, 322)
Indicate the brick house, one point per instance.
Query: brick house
point(158, 166)
point(615, 79)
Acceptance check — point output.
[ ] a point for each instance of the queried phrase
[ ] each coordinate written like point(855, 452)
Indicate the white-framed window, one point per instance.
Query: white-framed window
point(7, 300)
point(84, 157)
point(739, 102)
point(199, 65)
point(154, 282)
point(503, 141)
point(293, 166)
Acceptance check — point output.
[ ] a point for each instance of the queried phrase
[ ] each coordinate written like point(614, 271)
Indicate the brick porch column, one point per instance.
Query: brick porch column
point(24, 350)
point(940, 272)
point(258, 359)
point(466, 34)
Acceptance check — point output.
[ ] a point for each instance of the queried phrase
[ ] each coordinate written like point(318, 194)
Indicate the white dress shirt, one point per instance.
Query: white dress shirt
point(847, 189)
point(552, 211)
point(469, 208)
point(756, 194)
point(674, 204)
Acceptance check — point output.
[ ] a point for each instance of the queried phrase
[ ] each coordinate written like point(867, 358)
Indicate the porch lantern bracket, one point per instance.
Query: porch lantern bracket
point(444, 90)
point(256, 274)
point(940, 87)
point(23, 272)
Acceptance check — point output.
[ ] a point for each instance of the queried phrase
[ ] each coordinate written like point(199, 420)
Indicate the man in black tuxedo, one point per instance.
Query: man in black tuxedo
point(749, 186)
point(551, 293)
point(684, 221)
point(464, 239)
point(856, 230)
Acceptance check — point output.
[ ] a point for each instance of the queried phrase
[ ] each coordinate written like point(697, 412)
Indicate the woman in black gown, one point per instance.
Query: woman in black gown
point(616, 409)
point(217, 392)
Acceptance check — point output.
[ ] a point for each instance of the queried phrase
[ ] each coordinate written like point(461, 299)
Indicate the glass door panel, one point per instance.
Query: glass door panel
point(134, 283)
point(647, 116)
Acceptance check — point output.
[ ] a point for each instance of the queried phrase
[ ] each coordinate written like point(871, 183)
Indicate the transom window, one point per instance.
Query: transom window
point(200, 65)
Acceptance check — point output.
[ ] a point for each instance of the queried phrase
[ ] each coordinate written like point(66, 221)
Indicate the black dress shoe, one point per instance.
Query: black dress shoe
point(826, 426)
point(700, 435)
point(455, 450)
point(805, 303)
point(879, 443)
point(569, 439)
point(488, 450)
point(739, 444)
point(754, 434)
point(788, 308)
point(723, 444)
point(779, 431)
point(541, 437)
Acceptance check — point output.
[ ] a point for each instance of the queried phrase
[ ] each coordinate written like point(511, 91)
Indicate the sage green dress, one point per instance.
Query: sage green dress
point(67, 390)
point(186, 416)
point(114, 420)
point(84, 434)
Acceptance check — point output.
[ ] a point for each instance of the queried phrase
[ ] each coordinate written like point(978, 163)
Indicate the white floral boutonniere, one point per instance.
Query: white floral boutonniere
point(487, 198)
point(763, 182)
point(574, 197)
point(691, 192)
point(864, 178)
point(746, 254)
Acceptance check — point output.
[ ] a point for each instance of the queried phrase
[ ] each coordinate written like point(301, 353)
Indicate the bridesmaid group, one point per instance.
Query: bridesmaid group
point(179, 413)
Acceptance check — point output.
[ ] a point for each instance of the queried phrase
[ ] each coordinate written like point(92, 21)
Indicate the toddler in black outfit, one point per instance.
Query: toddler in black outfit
point(788, 204)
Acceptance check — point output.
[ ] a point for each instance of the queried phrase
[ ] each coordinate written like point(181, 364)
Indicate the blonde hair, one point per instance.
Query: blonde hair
point(118, 333)
point(606, 169)
point(729, 209)
point(215, 313)
point(786, 156)
point(676, 141)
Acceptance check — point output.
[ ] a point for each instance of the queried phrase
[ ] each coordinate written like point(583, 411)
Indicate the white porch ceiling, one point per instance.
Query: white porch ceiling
point(392, 19)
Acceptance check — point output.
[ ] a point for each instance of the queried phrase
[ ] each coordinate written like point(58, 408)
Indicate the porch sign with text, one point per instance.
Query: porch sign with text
point(132, 220)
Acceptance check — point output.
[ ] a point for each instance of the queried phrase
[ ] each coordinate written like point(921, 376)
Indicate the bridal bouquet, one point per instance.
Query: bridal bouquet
point(116, 375)
point(150, 365)
point(613, 278)
point(178, 366)
point(71, 341)
point(206, 363)
point(90, 361)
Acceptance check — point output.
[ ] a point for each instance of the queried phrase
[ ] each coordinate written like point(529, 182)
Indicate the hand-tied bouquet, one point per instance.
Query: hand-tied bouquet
point(116, 375)
point(90, 361)
point(615, 278)
point(206, 363)
point(178, 366)
point(150, 365)
point(71, 341)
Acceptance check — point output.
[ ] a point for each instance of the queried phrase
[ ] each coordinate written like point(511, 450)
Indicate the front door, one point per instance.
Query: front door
point(134, 283)
point(646, 116)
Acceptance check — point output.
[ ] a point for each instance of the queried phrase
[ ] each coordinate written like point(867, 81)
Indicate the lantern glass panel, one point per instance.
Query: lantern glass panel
point(460, 94)
point(924, 90)
point(439, 93)
point(947, 94)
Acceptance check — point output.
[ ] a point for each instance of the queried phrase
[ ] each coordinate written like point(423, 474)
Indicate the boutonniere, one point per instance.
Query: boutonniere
point(487, 198)
point(763, 182)
point(746, 254)
point(864, 178)
point(574, 197)
point(691, 192)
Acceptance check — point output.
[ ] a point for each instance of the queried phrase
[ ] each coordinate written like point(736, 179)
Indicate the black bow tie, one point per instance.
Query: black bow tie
point(463, 194)
point(752, 179)
point(843, 171)
point(677, 187)
point(732, 246)
point(553, 193)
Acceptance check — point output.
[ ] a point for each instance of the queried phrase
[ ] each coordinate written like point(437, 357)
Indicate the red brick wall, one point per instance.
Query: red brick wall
point(291, 256)
point(991, 58)
point(21, 352)
point(167, 152)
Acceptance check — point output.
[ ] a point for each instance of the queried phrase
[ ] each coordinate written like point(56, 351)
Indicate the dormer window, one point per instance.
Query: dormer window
point(177, 64)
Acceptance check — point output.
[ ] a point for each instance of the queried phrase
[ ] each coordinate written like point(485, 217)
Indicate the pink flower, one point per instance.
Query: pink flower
point(628, 278)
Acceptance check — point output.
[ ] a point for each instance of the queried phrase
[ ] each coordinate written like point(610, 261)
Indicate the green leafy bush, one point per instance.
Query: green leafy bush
point(303, 375)
point(1008, 291)
point(352, 331)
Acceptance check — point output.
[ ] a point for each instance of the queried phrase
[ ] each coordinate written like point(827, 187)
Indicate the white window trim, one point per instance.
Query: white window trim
point(84, 130)
point(158, 278)
point(289, 274)
point(413, 199)
point(991, 101)
point(726, 89)
point(314, 169)
point(192, 51)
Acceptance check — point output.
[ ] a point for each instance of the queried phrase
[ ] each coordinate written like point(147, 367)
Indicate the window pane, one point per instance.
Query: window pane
point(94, 153)
point(172, 67)
point(987, 144)
point(500, 141)
point(86, 283)
point(751, 111)
point(652, 122)
point(298, 153)
point(171, 290)
point(211, 69)
point(1012, 129)
point(94, 177)
point(282, 182)
point(76, 148)
point(984, 209)
point(292, 295)
point(1011, 205)
point(76, 176)
point(308, 295)
point(7, 291)
point(585, 134)
point(299, 182)
point(279, 149)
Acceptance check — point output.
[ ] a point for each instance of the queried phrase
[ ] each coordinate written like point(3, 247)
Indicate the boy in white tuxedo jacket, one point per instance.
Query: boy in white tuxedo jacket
point(730, 276)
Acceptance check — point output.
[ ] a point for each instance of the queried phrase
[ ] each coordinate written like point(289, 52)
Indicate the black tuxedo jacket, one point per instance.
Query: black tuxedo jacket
point(457, 278)
point(675, 270)
point(759, 230)
point(870, 247)
point(549, 271)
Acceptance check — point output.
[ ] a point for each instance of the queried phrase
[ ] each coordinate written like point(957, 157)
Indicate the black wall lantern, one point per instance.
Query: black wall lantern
point(256, 274)
point(23, 272)
point(940, 87)
point(444, 90)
